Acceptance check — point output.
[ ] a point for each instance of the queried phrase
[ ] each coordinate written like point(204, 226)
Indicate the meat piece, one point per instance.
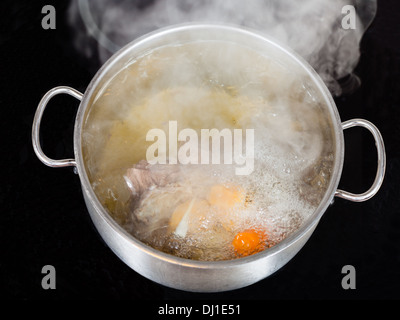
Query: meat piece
point(144, 175)
point(156, 205)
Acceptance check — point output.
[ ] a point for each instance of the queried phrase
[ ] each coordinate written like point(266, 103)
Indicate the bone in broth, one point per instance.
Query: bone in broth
point(208, 150)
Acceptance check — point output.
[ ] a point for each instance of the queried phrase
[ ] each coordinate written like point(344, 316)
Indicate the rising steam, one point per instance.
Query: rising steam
point(310, 27)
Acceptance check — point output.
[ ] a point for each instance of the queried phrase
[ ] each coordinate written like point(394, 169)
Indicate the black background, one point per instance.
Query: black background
point(44, 221)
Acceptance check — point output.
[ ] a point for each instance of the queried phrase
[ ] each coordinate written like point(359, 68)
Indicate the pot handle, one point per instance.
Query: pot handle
point(36, 126)
point(381, 162)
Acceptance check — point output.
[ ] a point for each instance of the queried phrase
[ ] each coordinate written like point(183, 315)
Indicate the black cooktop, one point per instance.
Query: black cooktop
point(44, 220)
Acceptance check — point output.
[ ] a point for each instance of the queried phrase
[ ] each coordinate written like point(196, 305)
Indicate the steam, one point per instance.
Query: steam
point(310, 27)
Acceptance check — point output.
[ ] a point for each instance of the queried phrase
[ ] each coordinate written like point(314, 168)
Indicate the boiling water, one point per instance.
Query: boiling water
point(204, 86)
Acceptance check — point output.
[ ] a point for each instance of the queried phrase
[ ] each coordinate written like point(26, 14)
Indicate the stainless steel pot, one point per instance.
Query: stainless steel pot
point(200, 276)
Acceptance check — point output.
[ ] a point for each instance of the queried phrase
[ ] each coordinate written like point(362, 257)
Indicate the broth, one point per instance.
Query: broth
point(200, 210)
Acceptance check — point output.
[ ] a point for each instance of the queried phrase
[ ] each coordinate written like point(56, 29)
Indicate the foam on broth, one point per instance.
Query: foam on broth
point(205, 85)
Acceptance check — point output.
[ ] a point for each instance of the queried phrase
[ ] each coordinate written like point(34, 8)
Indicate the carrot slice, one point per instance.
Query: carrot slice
point(249, 242)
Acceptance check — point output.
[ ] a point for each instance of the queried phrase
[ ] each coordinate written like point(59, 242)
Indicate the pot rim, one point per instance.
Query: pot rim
point(187, 27)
